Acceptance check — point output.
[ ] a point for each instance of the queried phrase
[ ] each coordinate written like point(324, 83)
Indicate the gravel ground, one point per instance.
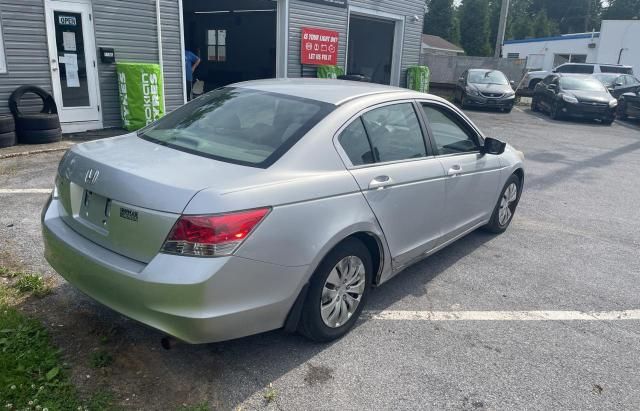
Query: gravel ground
point(573, 245)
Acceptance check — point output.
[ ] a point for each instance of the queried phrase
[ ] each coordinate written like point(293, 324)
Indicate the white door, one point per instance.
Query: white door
point(72, 53)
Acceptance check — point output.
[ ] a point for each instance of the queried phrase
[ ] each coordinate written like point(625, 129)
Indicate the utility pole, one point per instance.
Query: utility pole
point(502, 27)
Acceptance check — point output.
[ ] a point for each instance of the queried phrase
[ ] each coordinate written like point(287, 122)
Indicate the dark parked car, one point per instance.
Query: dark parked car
point(571, 95)
point(485, 88)
point(618, 84)
point(629, 105)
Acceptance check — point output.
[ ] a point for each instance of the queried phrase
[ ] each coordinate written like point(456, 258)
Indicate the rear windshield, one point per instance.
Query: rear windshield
point(581, 84)
point(237, 125)
point(616, 69)
point(607, 79)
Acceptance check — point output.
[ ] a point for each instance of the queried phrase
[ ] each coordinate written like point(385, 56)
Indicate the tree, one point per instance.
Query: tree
point(622, 10)
point(439, 19)
point(542, 26)
point(474, 27)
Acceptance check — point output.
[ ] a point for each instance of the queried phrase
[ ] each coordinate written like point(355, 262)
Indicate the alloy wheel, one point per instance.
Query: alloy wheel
point(507, 204)
point(342, 292)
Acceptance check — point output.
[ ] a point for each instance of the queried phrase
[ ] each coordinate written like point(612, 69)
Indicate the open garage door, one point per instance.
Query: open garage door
point(371, 48)
point(235, 39)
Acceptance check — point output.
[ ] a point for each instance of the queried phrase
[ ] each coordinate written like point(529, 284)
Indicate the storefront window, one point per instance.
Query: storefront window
point(3, 60)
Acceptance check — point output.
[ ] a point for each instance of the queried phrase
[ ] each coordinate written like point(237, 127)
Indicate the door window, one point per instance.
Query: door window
point(395, 133)
point(71, 59)
point(355, 143)
point(576, 68)
point(3, 60)
point(448, 133)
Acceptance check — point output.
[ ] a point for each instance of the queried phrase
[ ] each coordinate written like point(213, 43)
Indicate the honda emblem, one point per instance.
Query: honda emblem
point(92, 176)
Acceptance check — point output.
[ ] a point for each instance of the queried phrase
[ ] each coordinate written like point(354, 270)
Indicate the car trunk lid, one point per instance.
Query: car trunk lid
point(126, 193)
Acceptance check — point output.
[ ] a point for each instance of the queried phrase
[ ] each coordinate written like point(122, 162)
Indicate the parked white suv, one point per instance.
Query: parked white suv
point(534, 77)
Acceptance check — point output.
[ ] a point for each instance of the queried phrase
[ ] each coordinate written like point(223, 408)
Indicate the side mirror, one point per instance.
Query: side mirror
point(618, 84)
point(493, 146)
point(553, 87)
point(513, 84)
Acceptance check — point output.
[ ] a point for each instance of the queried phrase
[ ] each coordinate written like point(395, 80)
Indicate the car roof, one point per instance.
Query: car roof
point(329, 91)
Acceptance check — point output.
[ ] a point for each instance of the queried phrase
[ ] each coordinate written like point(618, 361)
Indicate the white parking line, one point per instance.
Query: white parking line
point(25, 190)
point(503, 315)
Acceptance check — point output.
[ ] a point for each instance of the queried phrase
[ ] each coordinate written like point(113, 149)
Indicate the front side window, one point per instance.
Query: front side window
point(395, 133)
point(355, 143)
point(549, 79)
point(236, 125)
point(449, 135)
point(616, 69)
point(576, 69)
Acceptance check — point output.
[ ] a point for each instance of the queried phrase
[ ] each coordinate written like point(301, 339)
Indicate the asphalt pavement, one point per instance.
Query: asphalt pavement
point(574, 246)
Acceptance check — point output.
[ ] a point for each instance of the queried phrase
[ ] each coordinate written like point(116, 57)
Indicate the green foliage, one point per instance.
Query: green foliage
point(439, 19)
point(270, 394)
point(32, 375)
point(542, 26)
point(623, 10)
point(32, 283)
point(101, 359)
point(474, 28)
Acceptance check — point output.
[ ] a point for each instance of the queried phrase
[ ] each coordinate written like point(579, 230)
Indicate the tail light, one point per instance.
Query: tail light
point(212, 235)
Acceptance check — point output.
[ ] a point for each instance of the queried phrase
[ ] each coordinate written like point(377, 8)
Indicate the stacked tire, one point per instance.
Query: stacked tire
point(7, 131)
point(36, 128)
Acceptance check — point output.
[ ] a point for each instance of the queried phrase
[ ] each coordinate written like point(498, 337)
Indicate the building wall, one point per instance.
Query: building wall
point(305, 14)
point(550, 48)
point(27, 56)
point(127, 26)
point(620, 34)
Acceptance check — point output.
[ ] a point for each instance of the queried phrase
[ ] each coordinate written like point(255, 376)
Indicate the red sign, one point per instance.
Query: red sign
point(319, 47)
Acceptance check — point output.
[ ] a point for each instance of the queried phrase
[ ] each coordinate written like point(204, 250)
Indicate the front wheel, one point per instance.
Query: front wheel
point(337, 293)
point(534, 105)
point(555, 111)
point(622, 110)
point(506, 208)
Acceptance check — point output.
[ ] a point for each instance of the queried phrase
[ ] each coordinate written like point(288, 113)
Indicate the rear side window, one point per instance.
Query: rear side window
point(448, 133)
point(355, 143)
point(576, 68)
point(236, 125)
point(616, 69)
point(395, 133)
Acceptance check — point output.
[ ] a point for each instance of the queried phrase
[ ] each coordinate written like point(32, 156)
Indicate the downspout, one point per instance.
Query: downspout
point(160, 57)
point(182, 52)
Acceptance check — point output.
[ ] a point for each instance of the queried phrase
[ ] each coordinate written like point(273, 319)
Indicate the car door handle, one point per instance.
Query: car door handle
point(455, 170)
point(380, 182)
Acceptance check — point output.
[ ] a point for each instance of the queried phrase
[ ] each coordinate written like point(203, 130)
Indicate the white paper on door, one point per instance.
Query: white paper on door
point(70, 62)
point(69, 41)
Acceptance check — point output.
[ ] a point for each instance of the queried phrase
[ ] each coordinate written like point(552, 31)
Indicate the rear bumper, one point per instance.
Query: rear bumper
point(197, 300)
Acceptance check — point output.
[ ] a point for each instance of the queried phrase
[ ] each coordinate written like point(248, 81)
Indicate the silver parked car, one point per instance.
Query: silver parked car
point(273, 204)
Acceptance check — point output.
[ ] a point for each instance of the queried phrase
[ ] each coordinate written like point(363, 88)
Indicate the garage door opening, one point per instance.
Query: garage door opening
point(235, 39)
point(371, 48)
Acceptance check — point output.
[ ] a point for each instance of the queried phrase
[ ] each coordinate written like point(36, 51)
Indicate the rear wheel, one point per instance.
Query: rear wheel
point(505, 209)
point(337, 293)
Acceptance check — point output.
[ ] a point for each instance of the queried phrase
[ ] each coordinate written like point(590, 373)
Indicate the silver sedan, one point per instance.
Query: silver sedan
point(273, 204)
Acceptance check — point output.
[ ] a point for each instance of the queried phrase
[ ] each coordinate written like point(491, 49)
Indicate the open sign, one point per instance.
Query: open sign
point(67, 20)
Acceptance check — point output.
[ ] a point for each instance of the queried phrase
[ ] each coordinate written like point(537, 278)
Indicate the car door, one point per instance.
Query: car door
point(473, 179)
point(545, 92)
point(386, 152)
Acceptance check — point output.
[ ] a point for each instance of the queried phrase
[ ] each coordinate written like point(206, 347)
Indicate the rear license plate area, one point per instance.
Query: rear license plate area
point(95, 209)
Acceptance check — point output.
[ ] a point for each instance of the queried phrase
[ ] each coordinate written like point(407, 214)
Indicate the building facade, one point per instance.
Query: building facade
point(63, 46)
point(615, 43)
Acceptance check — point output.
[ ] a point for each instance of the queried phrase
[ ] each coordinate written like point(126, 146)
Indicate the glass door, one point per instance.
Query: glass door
point(73, 61)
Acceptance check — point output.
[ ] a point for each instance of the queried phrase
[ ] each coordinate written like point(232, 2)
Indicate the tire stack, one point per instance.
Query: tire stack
point(36, 128)
point(7, 132)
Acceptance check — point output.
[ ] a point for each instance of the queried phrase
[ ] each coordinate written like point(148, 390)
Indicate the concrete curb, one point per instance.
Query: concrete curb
point(28, 153)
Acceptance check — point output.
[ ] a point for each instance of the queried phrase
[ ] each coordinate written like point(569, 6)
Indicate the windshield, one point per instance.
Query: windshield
point(607, 79)
point(238, 125)
point(581, 84)
point(487, 77)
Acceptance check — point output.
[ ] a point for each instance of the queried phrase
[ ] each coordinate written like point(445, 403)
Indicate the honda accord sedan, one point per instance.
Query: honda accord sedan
point(273, 204)
point(571, 95)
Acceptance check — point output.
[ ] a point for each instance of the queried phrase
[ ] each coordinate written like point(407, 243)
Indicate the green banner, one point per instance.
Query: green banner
point(141, 99)
point(418, 78)
point(329, 72)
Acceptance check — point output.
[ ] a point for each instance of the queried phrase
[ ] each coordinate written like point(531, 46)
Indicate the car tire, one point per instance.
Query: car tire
point(8, 139)
point(608, 121)
point(554, 113)
point(7, 124)
point(622, 110)
point(455, 97)
point(38, 121)
point(508, 200)
point(39, 136)
point(508, 110)
point(534, 105)
point(463, 99)
point(333, 324)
